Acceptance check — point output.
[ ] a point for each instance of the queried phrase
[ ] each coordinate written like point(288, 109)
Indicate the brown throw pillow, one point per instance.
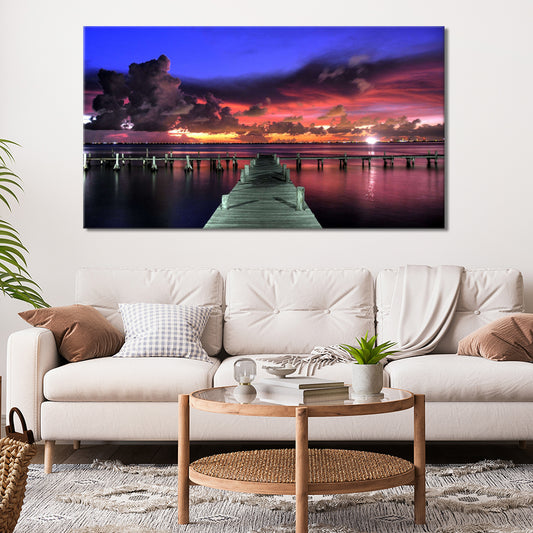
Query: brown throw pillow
point(80, 331)
point(506, 339)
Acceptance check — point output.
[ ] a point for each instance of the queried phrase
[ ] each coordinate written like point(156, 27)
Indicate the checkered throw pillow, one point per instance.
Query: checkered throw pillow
point(163, 330)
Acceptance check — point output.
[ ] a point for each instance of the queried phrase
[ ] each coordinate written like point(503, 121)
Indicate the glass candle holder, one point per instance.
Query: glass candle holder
point(244, 372)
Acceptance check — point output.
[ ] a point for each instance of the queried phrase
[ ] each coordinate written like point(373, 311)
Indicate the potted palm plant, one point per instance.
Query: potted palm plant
point(15, 281)
point(367, 371)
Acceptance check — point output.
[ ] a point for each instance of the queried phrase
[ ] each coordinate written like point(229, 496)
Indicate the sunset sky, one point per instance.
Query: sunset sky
point(263, 84)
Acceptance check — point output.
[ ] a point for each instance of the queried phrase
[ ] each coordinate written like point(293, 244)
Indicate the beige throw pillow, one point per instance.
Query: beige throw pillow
point(80, 331)
point(505, 339)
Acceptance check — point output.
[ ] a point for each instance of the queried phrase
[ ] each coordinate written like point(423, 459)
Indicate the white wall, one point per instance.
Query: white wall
point(489, 113)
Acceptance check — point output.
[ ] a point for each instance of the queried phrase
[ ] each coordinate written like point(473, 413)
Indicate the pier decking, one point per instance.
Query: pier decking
point(265, 197)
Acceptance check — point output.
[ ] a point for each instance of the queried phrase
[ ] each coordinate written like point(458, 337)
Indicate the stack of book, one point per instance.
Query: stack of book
point(301, 390)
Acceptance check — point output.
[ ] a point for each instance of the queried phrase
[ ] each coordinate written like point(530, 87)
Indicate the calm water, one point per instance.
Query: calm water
point(356, 197)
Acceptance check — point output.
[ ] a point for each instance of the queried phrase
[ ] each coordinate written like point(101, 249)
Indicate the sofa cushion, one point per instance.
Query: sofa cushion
point(484, 296)
point(461, 378)
point(163, 330)
point(292, 311)
point(80, 331)
point(337, 372)
point(506, 339)
point(155, 379)
point(105, 288)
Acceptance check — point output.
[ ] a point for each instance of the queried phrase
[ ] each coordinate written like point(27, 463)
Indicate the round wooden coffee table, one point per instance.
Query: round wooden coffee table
point(301, 471)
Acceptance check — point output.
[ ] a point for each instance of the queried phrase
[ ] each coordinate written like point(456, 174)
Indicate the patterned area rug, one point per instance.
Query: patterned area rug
point(108, 497)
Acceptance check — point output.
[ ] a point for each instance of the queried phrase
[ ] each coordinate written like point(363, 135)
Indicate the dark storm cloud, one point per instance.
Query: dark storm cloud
point(255, 110)
point(415, 73)
point(402, 127)
point(335, 111)
point(287, 127)
point(210, 116)
point(109, 107)
point(154, 97)
point(154, 100)
point(293, 119)
point(317, 131)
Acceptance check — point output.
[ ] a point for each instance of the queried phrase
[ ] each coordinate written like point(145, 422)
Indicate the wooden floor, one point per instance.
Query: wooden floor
point(437, 453)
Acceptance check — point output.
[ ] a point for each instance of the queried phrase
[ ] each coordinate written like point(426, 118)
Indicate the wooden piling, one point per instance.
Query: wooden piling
point(300, 198)
point(117, 164)
point(154, 164)
point(225, 201)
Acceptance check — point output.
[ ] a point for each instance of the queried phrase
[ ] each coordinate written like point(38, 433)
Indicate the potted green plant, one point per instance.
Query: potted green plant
point(15, 281)
point(367, 371)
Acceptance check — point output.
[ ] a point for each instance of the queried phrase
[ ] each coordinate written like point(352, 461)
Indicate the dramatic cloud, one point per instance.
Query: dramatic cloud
point(341, 102)
point(287, 127)
point(361, 84)
point(256, 110)
point(402, 127)
point(357, 60)
point(148, 95)
point(210, 116)
point(326, 74)
point(337, 111)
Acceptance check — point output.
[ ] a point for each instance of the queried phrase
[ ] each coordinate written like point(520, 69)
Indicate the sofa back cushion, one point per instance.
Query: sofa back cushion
point(105, 288)
point(484, 295)
point(292, 311)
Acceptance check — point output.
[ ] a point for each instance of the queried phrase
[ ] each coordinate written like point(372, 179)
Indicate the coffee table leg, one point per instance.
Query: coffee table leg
point(183, 459)
point(302, 470)
point(420, 459)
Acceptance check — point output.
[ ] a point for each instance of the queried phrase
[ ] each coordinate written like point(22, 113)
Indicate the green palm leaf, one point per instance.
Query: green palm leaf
point(15, 280)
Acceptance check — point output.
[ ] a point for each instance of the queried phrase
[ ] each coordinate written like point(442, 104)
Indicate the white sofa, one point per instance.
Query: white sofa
point(257, 312)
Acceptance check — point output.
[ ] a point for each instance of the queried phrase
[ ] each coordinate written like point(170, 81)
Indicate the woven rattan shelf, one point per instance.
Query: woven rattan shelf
point(330, 470)
point(301, 471)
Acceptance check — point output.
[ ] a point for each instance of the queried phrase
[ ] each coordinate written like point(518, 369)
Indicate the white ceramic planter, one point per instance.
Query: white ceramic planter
point(367, 380)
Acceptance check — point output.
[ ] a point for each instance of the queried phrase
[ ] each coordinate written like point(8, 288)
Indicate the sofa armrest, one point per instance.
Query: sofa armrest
point(30, 354)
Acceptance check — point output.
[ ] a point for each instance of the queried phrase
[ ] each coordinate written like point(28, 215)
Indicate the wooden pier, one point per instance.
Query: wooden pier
point(265, 197)
point(219, 162)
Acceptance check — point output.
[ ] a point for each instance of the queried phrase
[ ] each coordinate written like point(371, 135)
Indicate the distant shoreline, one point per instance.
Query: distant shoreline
point(339, 143)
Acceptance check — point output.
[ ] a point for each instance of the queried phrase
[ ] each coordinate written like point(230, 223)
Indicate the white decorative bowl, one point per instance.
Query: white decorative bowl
point(280, 371)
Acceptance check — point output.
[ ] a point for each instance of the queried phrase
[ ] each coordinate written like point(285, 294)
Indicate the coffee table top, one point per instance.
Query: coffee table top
point(221, 400)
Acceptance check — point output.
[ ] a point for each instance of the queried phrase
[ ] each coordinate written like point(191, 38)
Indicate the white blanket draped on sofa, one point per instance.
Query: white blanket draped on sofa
point(423, 304)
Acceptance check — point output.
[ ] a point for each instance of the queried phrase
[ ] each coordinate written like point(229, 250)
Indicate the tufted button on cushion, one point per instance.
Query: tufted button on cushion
point(255, 296)
point(477, 311)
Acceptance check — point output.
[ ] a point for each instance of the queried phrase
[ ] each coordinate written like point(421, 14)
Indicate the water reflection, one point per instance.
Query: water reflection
point(353, 197)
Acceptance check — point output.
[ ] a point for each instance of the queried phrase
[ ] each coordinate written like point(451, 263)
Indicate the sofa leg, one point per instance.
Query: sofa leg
point(48, 455)
point(76, 445)
point(522, 444)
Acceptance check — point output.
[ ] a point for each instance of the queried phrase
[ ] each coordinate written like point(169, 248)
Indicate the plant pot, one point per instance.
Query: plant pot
point(367, 380)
